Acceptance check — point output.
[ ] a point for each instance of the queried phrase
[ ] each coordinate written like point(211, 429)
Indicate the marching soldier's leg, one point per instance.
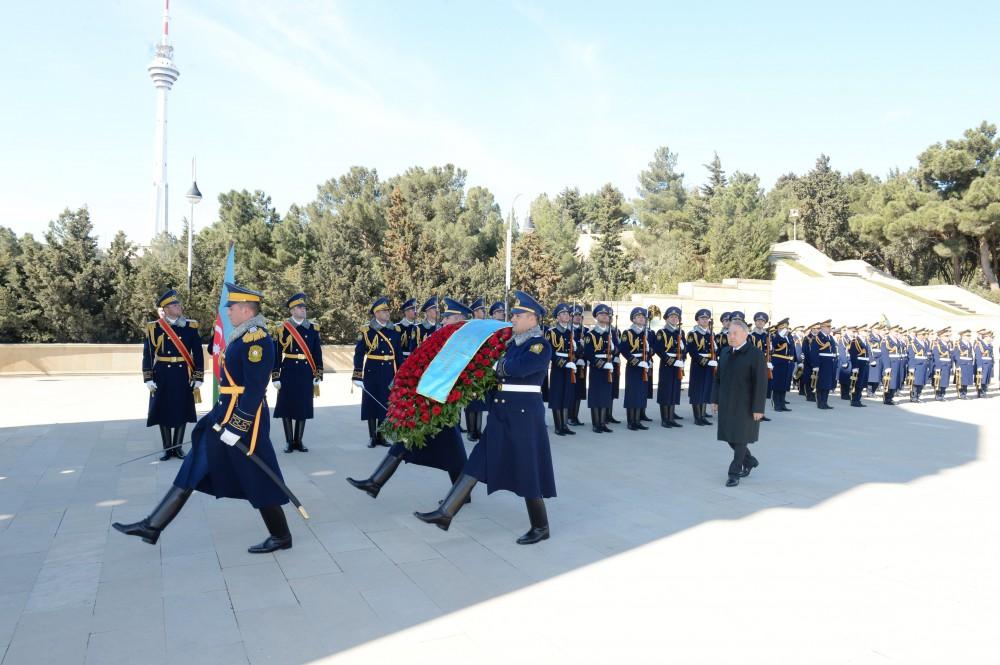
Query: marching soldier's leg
point(300, 429)
point(451, 504)
point(565, 419)
point(749, 464)
point(374, 483)
point(277, 526)
point(166, 440)
point(539, 523)
point(150, 528)
point(286, 423)
point(177, 441)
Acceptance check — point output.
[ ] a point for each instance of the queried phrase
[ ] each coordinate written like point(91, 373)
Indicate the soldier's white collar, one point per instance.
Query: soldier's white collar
point(599, 329)
point(637, 329)
point(699, 329)
point(521, 338)
point(255, 322)
point(305, 323)
point(180, 321)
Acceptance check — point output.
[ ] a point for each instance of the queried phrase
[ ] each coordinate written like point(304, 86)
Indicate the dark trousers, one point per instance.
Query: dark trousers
point(740, 453)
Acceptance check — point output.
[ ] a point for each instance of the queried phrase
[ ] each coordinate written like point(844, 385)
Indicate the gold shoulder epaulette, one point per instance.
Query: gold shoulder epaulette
point(315, 326)
point(192, 323)
point(254, 334)
point(151, 324)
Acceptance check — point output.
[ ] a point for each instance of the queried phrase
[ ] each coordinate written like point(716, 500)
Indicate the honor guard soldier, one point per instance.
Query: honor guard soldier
point(636, 348)
point(173, 367)
point(859, 355)
point(760, 337)
point(784, 358)
point(562, 374)
point(581, 372)
point(983, 348)
point(702, 348)
point(428, 326)
point(444, 450)
point(941, 355)
point(599, 351)
point(513, 453)
point(917, 359)
point(475, 409)
point(498, 311)
point(799, 376)
point(823, 361)
point(875, 364)
point(298, 371)
point(377, 355)
point(407, 326)
point(893, 353)
point(842, 337)
point(215, 465)
point(722, 337)
point(963, 356)
point(668, 342)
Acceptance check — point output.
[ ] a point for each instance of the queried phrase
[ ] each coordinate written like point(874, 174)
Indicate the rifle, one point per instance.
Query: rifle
point(571, 355)
point(711, 345)
point(767, 355)
point(680, 354)
point(645, 350)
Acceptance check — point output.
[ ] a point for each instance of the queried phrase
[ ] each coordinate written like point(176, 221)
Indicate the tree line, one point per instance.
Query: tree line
point(425, 232)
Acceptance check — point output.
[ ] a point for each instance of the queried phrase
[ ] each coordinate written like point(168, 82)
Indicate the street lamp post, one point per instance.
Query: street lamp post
point(793, 214)
point(193, 196)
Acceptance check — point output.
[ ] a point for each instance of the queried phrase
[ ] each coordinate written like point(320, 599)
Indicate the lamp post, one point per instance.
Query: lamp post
point(510, 233)
point(193, 196)
point(793, 214)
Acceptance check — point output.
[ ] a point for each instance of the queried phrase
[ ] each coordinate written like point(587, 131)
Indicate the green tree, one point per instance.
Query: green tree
point(740, 235)
point(612, 272)
point(825, 211)
point(121, 321)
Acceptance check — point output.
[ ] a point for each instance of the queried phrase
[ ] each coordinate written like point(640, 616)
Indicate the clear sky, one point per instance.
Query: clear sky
point(528, 97)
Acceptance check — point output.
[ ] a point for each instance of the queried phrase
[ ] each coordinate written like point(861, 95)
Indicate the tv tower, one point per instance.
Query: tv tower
point(164, 73)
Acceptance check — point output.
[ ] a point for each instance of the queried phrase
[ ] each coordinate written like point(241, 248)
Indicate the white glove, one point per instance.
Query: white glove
point(887, 370)
point(151, 385)
point(196, 385)
point(845, 365)
point(873, 363)
point(581, 362)
point(277, 385)
point(854, 371)
point(316, 382)
point(618, 359)
point(644, 364)
point(609, 367)
point(713, 363)
point(359, 383)
point(770, 365)
point(229, 438)
point(570, 366)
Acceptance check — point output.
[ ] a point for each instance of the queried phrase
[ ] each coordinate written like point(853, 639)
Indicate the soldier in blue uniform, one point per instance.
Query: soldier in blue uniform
point(784, 358)
point(941, 362)
point(823, 361)
point(964, 358)
point(173, 367)
point(893, 353)
point(513, 453)
point(599, 351)
point(498, 311)
point(844, 374)
point(983, 349)
point(616, 376)
point(562, 374)
point(298, 371)
point(668, 344)
point(760, 337)
point(407, 326)
point(214, 466)
point(636, 348)
point(859, 354)
point(701, 348)
point(377, 356)
point(475, 409)
point(916, 364)
point(875, 363)
point(581, 372)
point(722, 337)
point(799, 375)
point(445, 450)
point(428, 326)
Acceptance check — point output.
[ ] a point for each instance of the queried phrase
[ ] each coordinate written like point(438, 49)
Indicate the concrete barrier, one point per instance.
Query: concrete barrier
point(69, 359)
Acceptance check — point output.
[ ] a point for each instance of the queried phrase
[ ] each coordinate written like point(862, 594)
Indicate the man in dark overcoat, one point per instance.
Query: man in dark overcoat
point(739, 392)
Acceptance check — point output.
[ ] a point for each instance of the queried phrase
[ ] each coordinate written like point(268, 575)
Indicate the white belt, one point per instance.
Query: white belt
point(896, 355)
point(519, 388)
point(562, 355)
point(671, 355)
point(862, 358)
point(828, 355)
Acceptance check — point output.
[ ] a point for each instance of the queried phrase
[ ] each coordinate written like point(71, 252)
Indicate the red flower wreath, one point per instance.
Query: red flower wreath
point(413, 418)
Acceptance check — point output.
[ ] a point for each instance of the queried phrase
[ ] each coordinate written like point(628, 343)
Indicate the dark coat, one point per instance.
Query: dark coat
point(172, 404)
point(740, 390)
point(295, 397)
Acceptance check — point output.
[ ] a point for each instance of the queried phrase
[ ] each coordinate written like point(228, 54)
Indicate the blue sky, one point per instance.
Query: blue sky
point(528, 97)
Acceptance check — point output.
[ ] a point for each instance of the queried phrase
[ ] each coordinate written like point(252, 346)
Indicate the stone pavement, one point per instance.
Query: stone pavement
point(866, 536)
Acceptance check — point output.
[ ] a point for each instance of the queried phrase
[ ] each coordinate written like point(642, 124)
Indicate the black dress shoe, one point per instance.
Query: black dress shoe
point(606, 430)
point(747, 468)
point(302, 448)
point(613, 420)
point(272, 544)
point(644, 418)
point(178, 453)
point(371, 444)
point(857, 404)
point(733, 481)
point(766, 419)
point(289, 448)
point(141, 529)
point(535, 535)
point(166, 455)
point(368, 486)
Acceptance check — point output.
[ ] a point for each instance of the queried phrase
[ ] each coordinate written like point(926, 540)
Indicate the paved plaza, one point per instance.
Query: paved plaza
point(865, 536)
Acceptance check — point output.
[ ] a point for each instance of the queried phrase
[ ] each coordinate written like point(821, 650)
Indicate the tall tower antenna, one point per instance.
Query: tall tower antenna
point(164, 73)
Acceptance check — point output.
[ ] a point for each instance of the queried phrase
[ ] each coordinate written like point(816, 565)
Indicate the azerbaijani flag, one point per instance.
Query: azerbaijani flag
point(222, 325)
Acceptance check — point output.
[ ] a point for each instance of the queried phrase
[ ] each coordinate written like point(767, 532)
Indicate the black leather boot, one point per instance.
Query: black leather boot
point(286, 424)
point(167, 441)
point(150, 528)
point(300, 429)
point(565, 420)
point(539, 523)
point(672, 415)
point(696, 411)
point(638, 418)
point(372, 432)
point(605, 414)
point(451, 504)
point(277, 526)
point(557, 426)
point(643, 418)
point(665, 416)
point(595, 421)
point(475, 420)
point(178, 439)
point(611, 419)
point(373, 484)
